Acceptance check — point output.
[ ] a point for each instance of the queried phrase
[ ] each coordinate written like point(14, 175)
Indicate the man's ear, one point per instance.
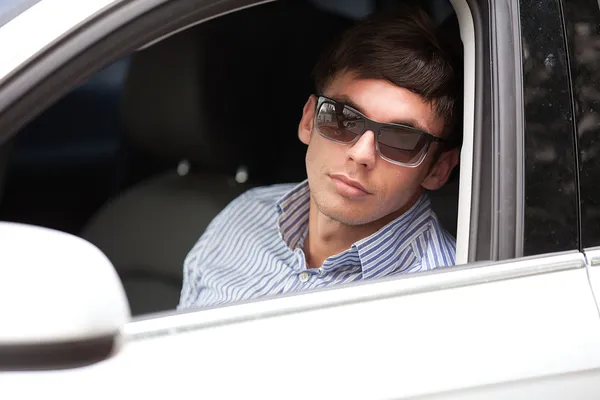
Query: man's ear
point(308, 117)
point(440, 171)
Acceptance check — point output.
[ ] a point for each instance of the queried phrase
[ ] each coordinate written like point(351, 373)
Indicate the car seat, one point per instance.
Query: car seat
point(4, 154)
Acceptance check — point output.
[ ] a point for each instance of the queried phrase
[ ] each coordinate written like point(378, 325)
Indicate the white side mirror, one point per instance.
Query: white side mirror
point(62, 303)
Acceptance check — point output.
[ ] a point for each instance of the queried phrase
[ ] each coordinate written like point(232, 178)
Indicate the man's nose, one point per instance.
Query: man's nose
point(364, 151)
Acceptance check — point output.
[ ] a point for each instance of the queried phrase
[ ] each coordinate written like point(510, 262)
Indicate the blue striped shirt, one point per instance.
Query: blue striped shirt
point(253, 248)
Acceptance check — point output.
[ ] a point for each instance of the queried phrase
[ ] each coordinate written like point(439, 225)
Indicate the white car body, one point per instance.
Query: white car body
point(521, 329)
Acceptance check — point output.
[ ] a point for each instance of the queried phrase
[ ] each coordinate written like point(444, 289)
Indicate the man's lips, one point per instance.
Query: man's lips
point(349, 182)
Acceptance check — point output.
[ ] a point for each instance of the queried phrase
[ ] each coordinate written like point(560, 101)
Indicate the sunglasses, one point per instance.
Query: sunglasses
point(399, 144)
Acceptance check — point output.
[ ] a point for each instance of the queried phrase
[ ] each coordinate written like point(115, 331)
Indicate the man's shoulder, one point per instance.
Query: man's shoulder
point(268, 194)
point(255, 199)
point(440, 241)
point(432, 244)
point(248, 211)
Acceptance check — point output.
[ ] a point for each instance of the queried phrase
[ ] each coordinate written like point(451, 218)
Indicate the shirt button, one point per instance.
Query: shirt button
point(304, 276)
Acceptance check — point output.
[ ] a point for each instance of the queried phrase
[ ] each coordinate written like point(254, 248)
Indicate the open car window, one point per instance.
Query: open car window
point(157, 92)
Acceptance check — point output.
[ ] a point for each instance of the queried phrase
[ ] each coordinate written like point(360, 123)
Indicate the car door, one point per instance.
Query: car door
point(519, 318)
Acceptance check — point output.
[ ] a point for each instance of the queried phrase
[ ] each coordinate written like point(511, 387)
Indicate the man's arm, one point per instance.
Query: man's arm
point(195, 260)
point(191, 271)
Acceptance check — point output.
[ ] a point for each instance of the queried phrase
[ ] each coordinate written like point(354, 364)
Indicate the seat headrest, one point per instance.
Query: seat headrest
point(226, 92)
point(162, 104)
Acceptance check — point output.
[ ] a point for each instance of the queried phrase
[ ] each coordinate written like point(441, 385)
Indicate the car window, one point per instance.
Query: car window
point(582, 18)
point(134, 160)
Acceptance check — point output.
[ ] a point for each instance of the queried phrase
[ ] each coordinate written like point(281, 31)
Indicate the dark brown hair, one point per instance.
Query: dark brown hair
point(401, 47)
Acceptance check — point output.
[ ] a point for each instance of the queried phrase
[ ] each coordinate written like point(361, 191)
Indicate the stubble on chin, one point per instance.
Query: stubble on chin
point(339, 213)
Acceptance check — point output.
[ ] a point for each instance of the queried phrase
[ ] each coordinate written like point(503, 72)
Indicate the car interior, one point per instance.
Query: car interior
point(139, 158)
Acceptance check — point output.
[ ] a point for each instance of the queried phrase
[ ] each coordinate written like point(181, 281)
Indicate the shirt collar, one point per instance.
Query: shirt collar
point(293, 209)
point(374, 250)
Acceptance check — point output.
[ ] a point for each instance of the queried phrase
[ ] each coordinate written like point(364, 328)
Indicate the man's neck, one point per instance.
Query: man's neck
point(327, 237)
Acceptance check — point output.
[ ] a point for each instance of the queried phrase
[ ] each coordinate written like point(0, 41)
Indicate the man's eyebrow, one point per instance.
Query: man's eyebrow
point(413, 123)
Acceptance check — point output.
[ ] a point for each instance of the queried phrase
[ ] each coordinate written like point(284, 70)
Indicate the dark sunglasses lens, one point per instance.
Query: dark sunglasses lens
point(339, 124)
point(402, 144)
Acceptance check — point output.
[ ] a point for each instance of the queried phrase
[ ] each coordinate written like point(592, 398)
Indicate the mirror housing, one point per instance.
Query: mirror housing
point(62, 304)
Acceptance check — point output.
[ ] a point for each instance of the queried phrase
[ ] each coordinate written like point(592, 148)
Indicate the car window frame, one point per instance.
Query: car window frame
point(498, 169)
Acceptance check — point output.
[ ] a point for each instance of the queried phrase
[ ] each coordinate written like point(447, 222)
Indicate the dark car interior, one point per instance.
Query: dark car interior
point(140, 158)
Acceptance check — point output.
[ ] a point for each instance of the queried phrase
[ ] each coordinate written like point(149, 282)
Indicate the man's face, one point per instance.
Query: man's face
point(351, 183)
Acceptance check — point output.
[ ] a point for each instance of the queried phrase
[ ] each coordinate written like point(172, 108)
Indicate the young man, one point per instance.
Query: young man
point(380, 131)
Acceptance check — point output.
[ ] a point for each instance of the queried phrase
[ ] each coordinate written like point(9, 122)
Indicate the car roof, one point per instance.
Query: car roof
point(12, 8)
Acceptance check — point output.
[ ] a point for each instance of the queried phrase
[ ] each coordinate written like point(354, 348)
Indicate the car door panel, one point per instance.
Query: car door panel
point(582, 385)
point(419, 335)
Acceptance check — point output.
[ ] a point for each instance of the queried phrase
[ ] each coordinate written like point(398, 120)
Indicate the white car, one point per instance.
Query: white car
point(518, 318)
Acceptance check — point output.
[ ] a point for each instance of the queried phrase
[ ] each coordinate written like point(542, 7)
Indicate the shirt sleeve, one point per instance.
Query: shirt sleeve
point(195, 259)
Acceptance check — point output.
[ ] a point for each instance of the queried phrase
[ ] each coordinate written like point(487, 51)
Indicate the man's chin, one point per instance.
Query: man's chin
point(343, 210)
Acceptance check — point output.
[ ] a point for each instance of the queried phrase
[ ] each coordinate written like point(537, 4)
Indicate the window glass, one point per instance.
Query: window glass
point(582, 20)
point(551, 209)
